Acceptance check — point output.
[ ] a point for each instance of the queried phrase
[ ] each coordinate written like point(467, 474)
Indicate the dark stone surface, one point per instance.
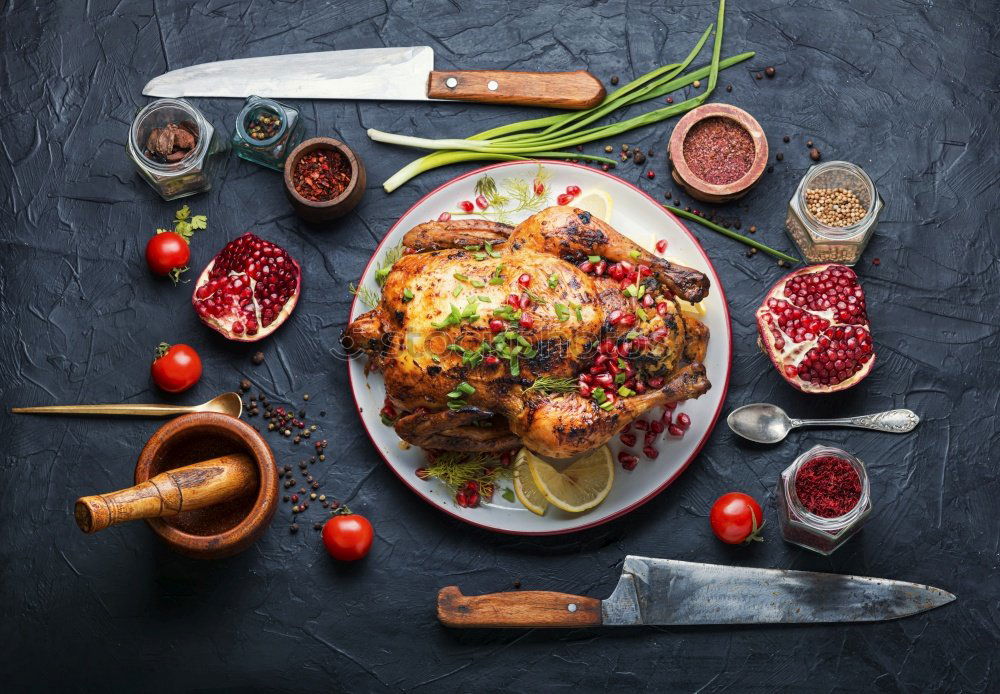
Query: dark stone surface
point(908, 90)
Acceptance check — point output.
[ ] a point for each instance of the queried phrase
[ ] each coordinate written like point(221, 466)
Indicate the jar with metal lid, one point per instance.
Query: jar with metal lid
point(833, 235)
point(807, 528)
point(266, 131)
point(174, 147)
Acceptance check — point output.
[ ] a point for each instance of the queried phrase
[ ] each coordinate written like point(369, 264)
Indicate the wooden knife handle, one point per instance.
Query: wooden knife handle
point(525, 608)
point(167, 494)
point(568, 90)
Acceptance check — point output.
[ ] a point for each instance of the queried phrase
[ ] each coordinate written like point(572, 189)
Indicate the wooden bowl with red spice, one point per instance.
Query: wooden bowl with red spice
point(324, 179)
point(717, 152)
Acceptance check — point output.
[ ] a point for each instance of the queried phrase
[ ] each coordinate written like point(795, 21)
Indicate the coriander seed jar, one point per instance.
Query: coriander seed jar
point(820, 241)
point(174, 177)
point(805, 528)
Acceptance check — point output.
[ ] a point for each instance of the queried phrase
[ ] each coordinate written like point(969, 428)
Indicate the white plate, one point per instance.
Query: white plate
point(639, 217)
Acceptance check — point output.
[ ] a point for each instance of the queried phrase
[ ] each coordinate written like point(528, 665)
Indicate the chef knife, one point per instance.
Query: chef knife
point(670, 592)
point(406, 74)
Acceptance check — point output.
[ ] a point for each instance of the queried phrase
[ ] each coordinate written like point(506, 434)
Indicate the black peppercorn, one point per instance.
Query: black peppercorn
point(786, 139)
point(614, 79)
point(769, 71)
point(729, 87)
point(779, 156)
point(258, 359)
point(814, 154)
point(293, 528)
point(759, 76)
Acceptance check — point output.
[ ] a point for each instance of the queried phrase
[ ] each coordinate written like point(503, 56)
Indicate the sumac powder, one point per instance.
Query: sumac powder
point(321, 175)
point(719, 150)
point(828, 486)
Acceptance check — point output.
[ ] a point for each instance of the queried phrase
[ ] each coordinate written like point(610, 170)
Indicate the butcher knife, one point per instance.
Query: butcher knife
point(670, 592)
point(382, 74)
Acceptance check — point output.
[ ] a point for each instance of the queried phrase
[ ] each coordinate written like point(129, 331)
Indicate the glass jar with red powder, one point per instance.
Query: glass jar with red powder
point(823, 499)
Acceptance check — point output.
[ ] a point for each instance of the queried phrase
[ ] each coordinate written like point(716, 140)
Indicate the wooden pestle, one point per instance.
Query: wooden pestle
point(167, 494)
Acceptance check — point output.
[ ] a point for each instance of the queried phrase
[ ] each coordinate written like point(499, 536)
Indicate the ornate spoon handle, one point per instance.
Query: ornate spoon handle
point(892, 421)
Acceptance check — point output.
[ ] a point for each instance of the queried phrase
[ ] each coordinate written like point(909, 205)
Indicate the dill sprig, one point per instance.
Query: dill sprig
point(371, 297)
point(552, 384)
point(456, 469)
point(515, 195)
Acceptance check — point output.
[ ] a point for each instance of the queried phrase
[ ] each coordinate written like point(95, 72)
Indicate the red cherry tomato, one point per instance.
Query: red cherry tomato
point(736, 518)
point(347, 537)
point(176, 367)
point(166, 252)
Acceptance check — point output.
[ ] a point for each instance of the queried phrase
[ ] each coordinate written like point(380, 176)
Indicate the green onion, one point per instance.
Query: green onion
point(606, 405)
point(484, 298)
point(490, 251)
point(478, 284)
point(454, 395)
point(407, 295)
point(562, 313)
point(576, 308)
point(465, 388)
point(456, 291)
point(625, 391)
point(631, 335)
point(551, 136)
point(479, 256)
point(620, 378)
point(642, 314)
point(594, 258)
point(472, 248)
point(553, 281)
point(635, 254)
point(460, 277)
point(733, 235)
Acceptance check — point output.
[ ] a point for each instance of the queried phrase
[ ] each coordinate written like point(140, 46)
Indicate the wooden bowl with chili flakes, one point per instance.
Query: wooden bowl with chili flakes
point(718, 152)
point(324, 179)
point(222, 529)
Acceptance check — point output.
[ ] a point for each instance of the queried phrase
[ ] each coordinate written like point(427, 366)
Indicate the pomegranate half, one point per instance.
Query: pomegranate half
point(814, 327)
point(248, 290)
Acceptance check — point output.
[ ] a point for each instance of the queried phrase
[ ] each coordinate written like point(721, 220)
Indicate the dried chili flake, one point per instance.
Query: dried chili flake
point(719, 151)
point(321, 175)
point(828, 486)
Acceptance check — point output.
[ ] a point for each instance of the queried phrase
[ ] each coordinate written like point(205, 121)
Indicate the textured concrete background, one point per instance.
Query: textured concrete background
point(908, 90)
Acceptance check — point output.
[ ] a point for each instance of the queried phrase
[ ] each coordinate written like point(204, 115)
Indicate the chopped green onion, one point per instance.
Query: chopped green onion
point(454, 394)
point(472, 248)
point(456, 291)
point(631, 335)
point(460, 277)
point(642, 314)
point(606, 405)
point(479, 256)
point(407, 295)
point(625, 391)
point(620, 378)
point(478, 284)
point(594, 258)
point(598, 395)
point(484, 298)
point(553, 281)
point(634, 254)
point(562, 313)
point(465, 388)
point(490, 251)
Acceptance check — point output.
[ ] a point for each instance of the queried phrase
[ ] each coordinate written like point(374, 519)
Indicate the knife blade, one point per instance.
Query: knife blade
point(671, 592)
point(384, 74)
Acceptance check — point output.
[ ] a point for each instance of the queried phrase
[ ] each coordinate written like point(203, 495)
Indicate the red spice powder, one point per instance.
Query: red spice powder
point(321, 175)
point(719, 150)
point(828, 486)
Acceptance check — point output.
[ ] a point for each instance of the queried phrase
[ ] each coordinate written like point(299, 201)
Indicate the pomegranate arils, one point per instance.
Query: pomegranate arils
point(814, 327)
point(248, 290)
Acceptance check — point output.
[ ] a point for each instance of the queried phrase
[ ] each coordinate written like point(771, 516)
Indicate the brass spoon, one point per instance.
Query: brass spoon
point(227, 403)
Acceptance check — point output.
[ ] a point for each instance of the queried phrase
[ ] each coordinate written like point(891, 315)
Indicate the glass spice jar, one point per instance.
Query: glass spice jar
point(820, 242)
point(802, 527)
point(174, 170)
point(266, 131)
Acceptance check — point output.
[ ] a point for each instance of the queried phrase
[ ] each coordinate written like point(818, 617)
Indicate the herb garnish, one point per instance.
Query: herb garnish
point(552, 384)
point(184, 226)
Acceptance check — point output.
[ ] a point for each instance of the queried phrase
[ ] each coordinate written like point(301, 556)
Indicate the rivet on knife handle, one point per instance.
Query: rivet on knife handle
point(525, 608)
point(567, 90)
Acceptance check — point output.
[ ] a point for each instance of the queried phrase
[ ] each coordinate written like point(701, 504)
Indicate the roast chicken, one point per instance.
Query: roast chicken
point(553, 334)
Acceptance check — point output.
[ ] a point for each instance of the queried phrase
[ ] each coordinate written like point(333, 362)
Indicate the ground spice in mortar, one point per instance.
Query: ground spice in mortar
point(828, 486)
point(719, 151)
point(321, 175)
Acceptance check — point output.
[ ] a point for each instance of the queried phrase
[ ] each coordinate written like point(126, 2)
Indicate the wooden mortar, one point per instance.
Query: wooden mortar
point(312, 211)
point(219, 504)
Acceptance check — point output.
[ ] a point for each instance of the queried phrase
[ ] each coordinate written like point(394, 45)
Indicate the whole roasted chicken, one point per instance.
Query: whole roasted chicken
point(553, 334)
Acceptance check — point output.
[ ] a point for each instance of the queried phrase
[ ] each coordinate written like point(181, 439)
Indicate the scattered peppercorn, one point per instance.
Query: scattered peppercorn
point(293, 528)
point(245, 385)
point(624, 148)
point(263, 126)
point(769, 71)
point(257, 358)
point(835, 207)
point(770, 169)
point(608, 148)
point(614, 79)
point(759, 76)
point(809, 143)
point(786, 139)
point(779, 156)
point(638, 157)
point(670, 99)
point(814, 154)
point(696, 84)
point(729, 87)
point(667, 194)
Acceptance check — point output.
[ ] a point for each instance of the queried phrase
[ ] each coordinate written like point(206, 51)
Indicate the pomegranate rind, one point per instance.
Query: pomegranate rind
point(223, 327)
point(770, 343)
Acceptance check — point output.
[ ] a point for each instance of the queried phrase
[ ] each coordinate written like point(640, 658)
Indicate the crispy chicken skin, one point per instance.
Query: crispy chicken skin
point(420, 351)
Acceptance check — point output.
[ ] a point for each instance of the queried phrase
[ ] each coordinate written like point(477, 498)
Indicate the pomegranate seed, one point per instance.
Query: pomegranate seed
point(492, 360)
point(584, 389)
point(666, 418)
point(466, 206)
point(683, 421)
point(650, 452)
point(481, 202)
point(656, 382)
point(648, 301)
point(514, 300)
point(472, 500)
point(422, 473)
point(601, 360)
point(600, 268)
point(628, 320)
point(661, 246)
point(641, 344)
point(615, 317)
point(614, 368)
point(586, 266)
point(627, 438)
point(627, 460)
point(662, 308)
point(526, 321)
point(650, 174)
point(538, 186)
point(586, 378)
point(641, 424)
point(573, 190)
point(671, 406)
point(564, 199)
point(656, 426)
point(644, 270)
point(460, 499)
point(675, 430)
point(524, 280)
point(625, 348)
point(610, 397)
point(444, 217)
point(496, 325)
point(649, 438)
point(525, 301)
point(616, 272)
point(606, 346)
point(639, 387)
point(604, 380)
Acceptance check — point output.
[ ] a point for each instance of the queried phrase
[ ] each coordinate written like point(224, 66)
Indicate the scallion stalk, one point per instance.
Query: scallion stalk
point(732, 234)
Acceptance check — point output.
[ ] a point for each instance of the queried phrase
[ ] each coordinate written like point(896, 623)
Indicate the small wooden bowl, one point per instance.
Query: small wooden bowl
point(223, 529)
point(338, 206)
point(696, 187)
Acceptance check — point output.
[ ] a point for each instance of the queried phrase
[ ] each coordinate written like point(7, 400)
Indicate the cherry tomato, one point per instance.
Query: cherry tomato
point(736, 518)
point(347, 537)
point(167, 251)
point(176, 367)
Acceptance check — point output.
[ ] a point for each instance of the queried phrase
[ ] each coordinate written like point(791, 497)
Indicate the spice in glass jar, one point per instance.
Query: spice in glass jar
point(835, 207)
point(823, 499)
point(263, 125)
point(321, 175)
point(172, 142)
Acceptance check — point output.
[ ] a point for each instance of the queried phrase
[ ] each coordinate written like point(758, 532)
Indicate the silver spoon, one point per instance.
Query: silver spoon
point(227, 403)
point(766, 423)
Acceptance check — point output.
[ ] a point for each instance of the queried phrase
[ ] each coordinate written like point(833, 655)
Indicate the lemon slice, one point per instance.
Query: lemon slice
point(597, 202)
point(524, 486)
point(576, 486)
